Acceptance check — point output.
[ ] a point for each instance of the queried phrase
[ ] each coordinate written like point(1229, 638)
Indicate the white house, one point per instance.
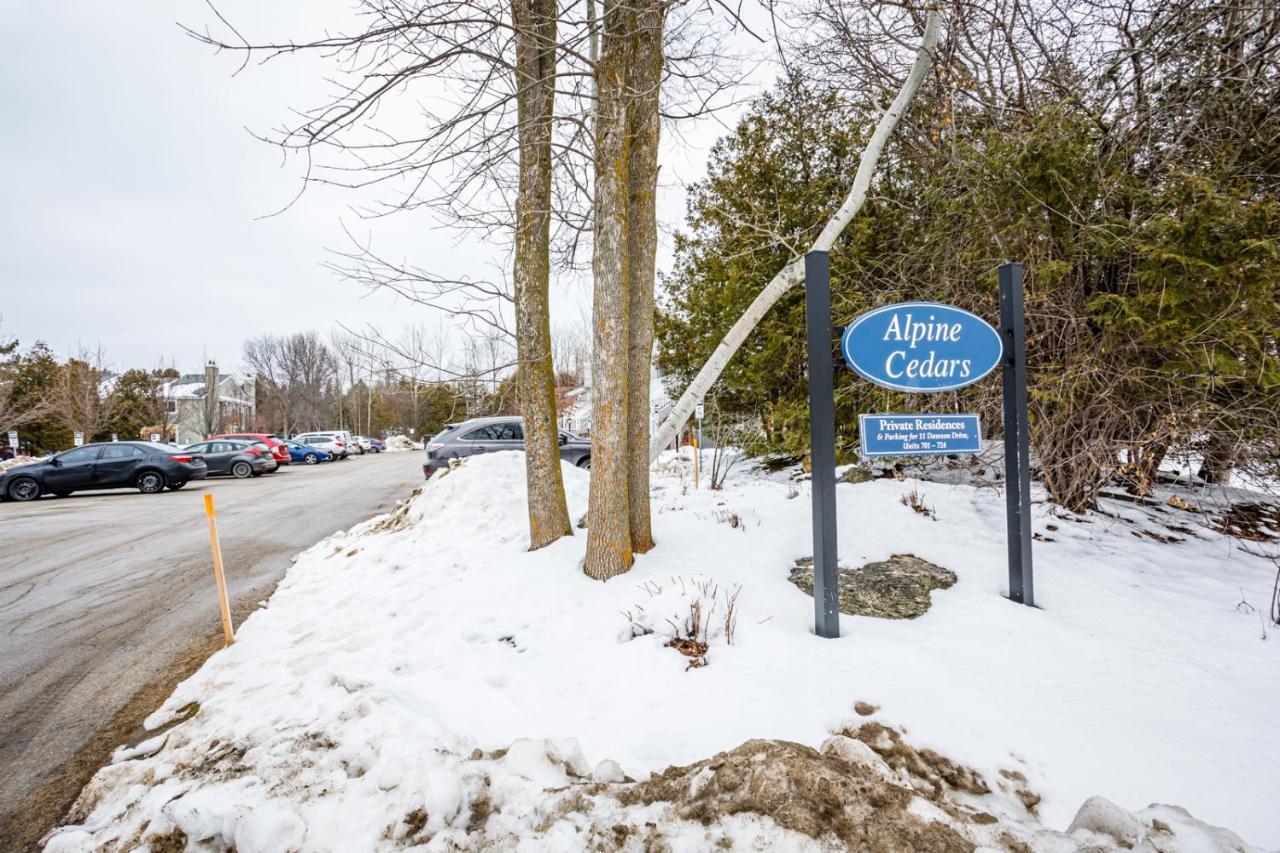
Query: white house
point(575, 406)
point(192, 415)
point(575, 411)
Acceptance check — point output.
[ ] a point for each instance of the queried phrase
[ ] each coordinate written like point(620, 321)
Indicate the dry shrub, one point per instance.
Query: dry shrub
point(701, 615)
point(914, 499)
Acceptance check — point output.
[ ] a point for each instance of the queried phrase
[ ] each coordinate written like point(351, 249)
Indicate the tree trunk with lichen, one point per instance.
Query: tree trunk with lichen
point(535, 26)
point(608, 511)
point(643, 122)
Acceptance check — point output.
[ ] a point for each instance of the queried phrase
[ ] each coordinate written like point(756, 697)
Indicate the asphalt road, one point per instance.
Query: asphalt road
point(107, 600)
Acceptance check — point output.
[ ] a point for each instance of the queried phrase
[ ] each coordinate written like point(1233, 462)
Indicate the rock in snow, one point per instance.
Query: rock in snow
point(896, 588)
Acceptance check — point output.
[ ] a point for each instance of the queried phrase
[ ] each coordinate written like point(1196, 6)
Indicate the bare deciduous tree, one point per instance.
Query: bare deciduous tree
point(609, 513)
point(535, 71)
point(77, 398)
point(643, 124)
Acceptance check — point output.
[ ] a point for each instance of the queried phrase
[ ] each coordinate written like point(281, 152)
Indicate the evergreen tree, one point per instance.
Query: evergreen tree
point(35, 376)
point(1153, 283)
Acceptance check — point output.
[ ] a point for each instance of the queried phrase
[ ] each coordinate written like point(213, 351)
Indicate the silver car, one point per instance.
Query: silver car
point(489, 435)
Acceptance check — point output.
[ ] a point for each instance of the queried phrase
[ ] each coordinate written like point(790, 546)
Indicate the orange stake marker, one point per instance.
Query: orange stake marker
point(697, 460)
point(223, 605)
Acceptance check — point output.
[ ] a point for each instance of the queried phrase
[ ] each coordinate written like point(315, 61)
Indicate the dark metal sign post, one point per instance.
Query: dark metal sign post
point(1017, 453)
point(822, 444)
point(885, 337)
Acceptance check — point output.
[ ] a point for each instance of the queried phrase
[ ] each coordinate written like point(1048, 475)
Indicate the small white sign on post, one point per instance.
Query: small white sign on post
point(155, 437)
point(699, 411)
point(13, 439)
point(79, 439)
point(114, 437)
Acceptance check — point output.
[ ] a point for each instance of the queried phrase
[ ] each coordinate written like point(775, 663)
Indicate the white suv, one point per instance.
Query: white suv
point(337, 442)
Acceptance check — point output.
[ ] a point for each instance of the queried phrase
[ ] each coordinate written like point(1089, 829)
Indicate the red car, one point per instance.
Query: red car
point(279, 451)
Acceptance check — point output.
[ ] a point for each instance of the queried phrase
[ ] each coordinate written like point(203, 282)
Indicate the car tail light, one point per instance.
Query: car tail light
point(181, 458)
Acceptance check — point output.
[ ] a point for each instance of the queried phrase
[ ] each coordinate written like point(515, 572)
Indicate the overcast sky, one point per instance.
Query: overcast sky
point(133, 195)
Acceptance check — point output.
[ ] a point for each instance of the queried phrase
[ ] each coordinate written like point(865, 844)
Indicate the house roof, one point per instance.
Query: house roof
point(191, 386)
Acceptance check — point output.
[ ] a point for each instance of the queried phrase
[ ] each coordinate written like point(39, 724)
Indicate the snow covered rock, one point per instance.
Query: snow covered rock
point(896, 588)
point(1157, 828)
point(608, 771)
point(1102, 816)
point(855, 752)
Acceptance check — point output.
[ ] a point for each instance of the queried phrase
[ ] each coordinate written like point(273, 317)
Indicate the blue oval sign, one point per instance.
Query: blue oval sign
point(921, 346)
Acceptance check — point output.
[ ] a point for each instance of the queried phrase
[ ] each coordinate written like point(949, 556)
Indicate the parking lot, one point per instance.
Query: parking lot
point(107, 600)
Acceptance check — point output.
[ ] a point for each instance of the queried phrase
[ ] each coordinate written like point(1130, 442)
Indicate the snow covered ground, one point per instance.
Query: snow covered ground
point(423, 675)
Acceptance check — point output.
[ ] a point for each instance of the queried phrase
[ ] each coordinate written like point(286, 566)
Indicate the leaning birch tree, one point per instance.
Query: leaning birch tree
point(793, 273)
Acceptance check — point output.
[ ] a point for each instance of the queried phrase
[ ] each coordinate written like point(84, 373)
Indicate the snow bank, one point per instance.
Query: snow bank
point(425, 676)
point(6, 464)
point(397, 443)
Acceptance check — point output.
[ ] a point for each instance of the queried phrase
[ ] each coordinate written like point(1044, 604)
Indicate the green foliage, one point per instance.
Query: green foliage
point(35, 376)
point(770, 186)
point(134, 405)
point(1153, 293)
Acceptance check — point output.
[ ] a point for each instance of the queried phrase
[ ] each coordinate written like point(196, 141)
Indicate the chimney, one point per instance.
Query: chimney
point(211, 396)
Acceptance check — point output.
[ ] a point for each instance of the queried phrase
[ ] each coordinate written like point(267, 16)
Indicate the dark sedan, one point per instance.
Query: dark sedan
point(491, 435)
point(236, 457)
point(147, 467)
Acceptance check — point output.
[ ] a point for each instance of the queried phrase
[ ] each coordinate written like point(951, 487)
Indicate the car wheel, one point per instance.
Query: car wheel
point(24, 489)
point(310, 459)
point(175, 486)
point(585, 462)
point(150, 482)
point(241, 470)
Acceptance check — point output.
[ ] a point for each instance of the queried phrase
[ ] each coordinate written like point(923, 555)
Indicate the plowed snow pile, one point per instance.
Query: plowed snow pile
point(425, 681)
point(6, 464)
